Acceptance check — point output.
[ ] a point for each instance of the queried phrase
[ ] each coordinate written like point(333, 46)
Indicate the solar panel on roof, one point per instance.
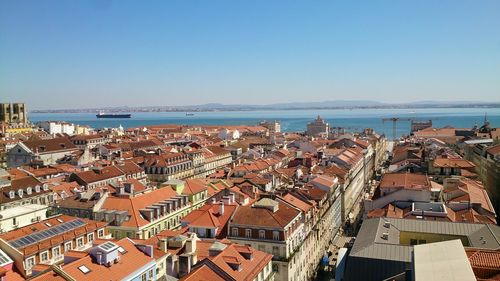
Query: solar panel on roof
point(108, 245)
point(46, 233)
point(4, 258)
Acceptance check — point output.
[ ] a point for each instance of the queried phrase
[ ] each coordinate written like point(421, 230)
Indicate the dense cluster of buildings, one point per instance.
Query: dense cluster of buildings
point(433, 214)
point(175, 202)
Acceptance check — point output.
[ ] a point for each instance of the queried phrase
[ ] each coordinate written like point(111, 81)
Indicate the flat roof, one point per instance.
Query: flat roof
point(442, 261)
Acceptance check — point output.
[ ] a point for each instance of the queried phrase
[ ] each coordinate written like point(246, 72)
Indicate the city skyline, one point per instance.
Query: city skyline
point(59, 54)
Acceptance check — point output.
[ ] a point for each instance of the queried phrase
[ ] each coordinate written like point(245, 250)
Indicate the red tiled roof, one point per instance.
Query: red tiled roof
point(130, 261)
point(405, 181)
point(247, 215)
point(134, 204)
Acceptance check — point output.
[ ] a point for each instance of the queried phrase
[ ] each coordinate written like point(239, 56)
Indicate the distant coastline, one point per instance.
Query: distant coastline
point(328, 105)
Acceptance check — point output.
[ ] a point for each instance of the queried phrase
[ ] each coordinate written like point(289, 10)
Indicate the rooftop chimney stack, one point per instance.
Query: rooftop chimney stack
point(221, 208)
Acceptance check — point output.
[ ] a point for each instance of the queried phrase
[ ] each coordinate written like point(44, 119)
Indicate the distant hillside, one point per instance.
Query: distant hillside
point(332, 104)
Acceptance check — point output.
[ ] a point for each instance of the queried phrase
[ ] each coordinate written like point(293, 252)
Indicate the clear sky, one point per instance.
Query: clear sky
point(75, 54)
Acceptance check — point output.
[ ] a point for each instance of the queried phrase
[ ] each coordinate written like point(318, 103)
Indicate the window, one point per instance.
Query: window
point(413, 242)
point(276, 251)
point(100, 233)
point(30, 262)
point(262, 234)
point(235, 231)
point(248, 233)
point(276, 235)
point(44, 256)
point(276, 268)
point(79, 242)
point(67, 246)
point(14, 221)
point(56, 252)
point(90, 237)
point(144, 277)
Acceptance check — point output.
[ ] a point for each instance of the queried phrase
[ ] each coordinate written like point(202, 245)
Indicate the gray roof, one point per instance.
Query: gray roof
point(375, 257)
point(472, 232)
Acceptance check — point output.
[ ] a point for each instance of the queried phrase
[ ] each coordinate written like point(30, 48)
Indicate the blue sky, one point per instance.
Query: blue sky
point(74, 54)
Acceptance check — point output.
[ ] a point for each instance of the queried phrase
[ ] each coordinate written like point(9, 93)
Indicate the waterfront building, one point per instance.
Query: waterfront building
point(318, 127)
point(57, 127)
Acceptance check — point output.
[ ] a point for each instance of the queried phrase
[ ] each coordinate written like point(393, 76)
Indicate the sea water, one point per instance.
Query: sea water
point(293, 120)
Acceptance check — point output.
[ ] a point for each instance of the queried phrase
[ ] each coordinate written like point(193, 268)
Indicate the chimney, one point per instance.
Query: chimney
point(191, 244)
point(221, 208)
point(164, 244)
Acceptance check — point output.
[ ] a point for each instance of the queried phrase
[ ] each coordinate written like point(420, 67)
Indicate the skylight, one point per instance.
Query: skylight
point(84, 269)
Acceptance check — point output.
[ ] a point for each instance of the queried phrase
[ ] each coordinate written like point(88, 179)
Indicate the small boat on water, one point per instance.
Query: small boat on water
point(113, 115)
point(189, 114)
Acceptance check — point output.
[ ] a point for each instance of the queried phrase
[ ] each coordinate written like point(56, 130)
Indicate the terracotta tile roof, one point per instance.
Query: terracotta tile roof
point(452, 163)
point(472, 191)
point(134, 204)
point(50, 145)
point(194, 186)
point(202, 273)
point(494, 150)
point(21, 183)
point(313, 193)
point(209, 216)
point(253, 216)
point(485, 263)
point(297, 202)
point(129, 262)
point(249, 269)
point(405, 181)
point(103, 173)
point(484, 258)
point(89, 226)
point(129, 167)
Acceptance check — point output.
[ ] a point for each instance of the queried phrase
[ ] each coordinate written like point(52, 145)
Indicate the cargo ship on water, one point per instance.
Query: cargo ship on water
point(113, 115)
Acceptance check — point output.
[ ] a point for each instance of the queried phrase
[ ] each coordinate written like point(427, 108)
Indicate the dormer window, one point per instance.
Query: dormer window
point(20, 192)
point(12, 194)
point(276, 235)
point(37, 188)
point(45, 187)
point(42, 148)
point(28, 190)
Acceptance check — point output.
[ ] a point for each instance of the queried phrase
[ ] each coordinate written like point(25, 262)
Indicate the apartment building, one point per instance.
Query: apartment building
point(45, 242)
point(272, 227)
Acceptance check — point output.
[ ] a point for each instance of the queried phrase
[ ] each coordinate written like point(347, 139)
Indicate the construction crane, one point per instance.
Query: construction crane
point(395, 120)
